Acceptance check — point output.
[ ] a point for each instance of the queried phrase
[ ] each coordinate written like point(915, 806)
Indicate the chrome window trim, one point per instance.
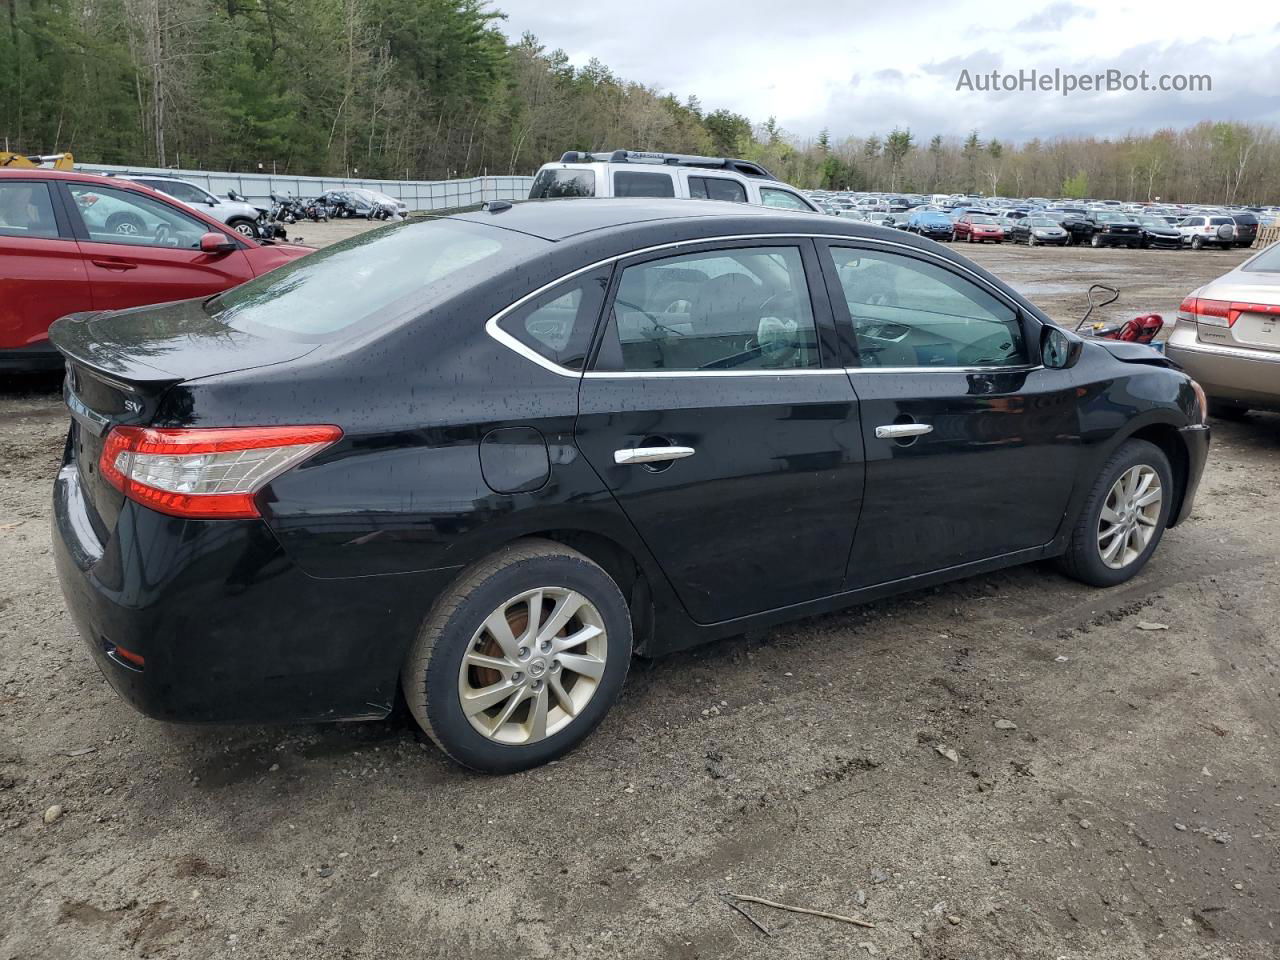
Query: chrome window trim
point(1020, 368)
point(511, 343)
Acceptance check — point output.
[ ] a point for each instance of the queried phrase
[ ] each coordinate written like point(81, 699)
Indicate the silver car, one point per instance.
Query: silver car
point(239, 215)
point(1227, 336)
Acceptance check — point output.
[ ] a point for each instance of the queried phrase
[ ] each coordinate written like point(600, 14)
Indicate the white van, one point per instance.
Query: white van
point(628, 173)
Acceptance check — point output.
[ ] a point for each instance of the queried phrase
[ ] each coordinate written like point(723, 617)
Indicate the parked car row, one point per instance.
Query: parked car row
point(1098, 223)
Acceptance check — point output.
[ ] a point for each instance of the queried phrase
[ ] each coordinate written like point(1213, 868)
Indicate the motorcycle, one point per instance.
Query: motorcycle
point(1141, 329)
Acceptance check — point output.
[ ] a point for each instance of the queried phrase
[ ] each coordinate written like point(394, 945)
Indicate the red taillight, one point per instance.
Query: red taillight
point(137, 659)
point(1222, 313)
point(210, 473)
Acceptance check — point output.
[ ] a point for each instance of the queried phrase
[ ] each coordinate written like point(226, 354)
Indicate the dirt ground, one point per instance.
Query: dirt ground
point(1133, 812)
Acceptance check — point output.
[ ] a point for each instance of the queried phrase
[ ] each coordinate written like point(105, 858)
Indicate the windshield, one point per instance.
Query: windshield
point(421, 262)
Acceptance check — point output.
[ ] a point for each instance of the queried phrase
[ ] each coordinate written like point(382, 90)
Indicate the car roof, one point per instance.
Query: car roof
point(42, 174)
point(562, 219)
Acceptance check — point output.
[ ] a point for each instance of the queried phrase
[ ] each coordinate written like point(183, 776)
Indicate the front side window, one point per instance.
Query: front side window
point(628, 184)
point(558, 324)
point(782, 199)
point(553, 184)
point(717, 188)
point(26, 210)
point(178, 190)
point(910, 313)
point(740, 309)
point(121, 216)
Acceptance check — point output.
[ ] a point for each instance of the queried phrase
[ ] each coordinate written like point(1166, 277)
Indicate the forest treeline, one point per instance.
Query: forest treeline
point(427, 89)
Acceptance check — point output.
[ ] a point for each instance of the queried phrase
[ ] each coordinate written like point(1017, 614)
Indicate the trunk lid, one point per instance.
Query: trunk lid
point(120, 365)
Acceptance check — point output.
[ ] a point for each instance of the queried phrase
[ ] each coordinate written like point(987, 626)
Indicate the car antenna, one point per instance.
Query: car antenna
point(496, 206)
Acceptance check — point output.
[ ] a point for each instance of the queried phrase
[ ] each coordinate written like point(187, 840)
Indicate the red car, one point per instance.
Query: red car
point(72, 242)
point(978, 228)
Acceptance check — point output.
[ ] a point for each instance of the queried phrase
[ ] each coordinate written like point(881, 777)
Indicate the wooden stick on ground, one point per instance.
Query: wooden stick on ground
point(814, 913)
point(754, 922)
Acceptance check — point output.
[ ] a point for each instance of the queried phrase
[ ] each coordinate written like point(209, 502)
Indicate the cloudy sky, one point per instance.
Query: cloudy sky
point(859, 67)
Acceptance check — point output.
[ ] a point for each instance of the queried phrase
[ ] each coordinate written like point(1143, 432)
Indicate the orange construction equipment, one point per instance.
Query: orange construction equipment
point(56, 161)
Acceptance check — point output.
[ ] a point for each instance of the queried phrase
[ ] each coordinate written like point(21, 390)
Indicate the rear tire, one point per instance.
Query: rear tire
point(560, 690)
point(1116, 532)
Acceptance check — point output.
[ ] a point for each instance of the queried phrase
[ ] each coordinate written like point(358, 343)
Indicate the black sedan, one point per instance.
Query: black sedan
point(1036, 230)
point(1156, 232)
point(484, 459)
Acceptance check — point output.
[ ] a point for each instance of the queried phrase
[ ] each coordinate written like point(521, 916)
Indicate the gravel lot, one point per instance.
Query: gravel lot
point(851, 763)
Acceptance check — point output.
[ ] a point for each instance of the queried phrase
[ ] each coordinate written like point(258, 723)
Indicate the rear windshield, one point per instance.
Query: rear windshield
point(1266, 262)
point(551, 184)
point(419, 262)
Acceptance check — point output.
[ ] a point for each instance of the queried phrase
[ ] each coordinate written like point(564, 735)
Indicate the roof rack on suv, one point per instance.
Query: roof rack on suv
point(744, 167)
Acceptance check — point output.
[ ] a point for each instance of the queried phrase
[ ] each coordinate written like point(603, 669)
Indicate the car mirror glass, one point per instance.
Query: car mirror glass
point(1058, 349)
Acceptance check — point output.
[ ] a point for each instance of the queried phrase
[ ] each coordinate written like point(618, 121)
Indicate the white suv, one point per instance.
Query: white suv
point(627, 173)
point(1204, 229)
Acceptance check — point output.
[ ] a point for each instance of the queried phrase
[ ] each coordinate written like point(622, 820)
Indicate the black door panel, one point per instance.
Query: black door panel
point(762, 514)
point(992, 476)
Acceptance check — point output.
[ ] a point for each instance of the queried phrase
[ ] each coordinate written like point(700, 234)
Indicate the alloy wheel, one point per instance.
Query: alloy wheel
point(533, 665)
point(1130, 516)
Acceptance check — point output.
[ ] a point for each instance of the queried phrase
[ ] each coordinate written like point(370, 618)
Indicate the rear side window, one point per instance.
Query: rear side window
point(408, 266)
point(782, 199)
point(745, 308)
point(628, 184)
point(552, 184)
point(559, 323)
point(717, 188)
point(26, 210)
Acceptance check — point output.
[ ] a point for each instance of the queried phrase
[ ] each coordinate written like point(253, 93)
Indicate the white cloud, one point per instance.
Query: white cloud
point(862, 67)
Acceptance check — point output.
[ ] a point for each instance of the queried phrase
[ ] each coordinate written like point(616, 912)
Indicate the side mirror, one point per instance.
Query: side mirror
point(1059, 350)
point(216, 243)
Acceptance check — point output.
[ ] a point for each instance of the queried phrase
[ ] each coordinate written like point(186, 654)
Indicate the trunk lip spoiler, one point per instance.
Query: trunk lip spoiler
point(91, 420)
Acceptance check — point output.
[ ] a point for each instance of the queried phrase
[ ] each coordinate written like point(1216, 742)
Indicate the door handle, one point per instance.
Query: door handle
point(651, 454)
point(114, 264)
point(896, 431)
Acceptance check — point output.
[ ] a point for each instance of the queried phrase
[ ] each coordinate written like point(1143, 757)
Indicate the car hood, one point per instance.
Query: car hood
point(1132, 352)
point(165, 342)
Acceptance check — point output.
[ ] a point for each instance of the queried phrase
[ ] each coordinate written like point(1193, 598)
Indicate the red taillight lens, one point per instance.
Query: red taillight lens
point(209, 473)
point(1221, 313)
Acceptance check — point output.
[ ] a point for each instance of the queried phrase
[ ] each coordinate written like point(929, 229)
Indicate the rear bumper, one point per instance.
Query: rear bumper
point(229, 628)
point(1248, 377)
point(31, 358)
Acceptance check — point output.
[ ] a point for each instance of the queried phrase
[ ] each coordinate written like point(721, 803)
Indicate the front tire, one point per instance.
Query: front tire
point(1123, 518)
point(1197, 243)
point(244, 227)
point(520, 659)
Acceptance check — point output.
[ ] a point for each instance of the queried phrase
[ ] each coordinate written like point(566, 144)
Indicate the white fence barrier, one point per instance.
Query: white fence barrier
point(418, 194)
